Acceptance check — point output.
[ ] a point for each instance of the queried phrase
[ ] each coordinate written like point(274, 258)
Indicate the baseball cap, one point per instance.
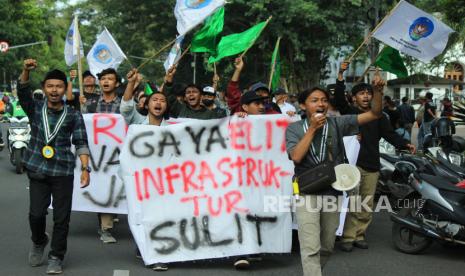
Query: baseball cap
point(279, 91)
point(208, 90)
point(251, 96)
point(259, 85)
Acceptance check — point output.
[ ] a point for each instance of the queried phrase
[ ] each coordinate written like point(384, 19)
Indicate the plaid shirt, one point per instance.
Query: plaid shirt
point(100, 106)
point(64, 161)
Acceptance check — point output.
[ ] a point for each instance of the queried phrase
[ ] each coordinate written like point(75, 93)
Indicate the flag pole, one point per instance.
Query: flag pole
point(253, 42)
point(78, 47)
point(273, 66)
point(182, 55)
point(373, 31)
point(156, 54)
point(368, 68)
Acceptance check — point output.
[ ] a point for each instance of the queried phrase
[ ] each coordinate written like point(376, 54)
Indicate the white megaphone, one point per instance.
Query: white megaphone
point(347, 177)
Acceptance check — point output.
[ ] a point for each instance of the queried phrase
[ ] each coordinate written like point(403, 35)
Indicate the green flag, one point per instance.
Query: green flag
point(276, 67)
point(237, 43)
point(204, 41)
point(390, 60)
point(148, 90)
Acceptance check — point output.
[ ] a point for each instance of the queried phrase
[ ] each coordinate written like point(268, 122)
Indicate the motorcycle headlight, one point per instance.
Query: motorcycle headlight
point(442, 154)
point(386, 147)
point(455, 159)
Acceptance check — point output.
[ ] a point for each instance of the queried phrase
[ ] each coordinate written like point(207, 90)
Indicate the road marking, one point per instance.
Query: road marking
point(120, 272)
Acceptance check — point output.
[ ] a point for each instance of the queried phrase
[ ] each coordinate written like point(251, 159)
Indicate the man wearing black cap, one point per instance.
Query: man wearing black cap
point(50, 163)
point(356, 223)
point(253, 103)
point(208, 100)
point(233, 93)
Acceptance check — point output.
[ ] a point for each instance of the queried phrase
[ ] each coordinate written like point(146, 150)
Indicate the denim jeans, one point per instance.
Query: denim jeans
point(41, 190)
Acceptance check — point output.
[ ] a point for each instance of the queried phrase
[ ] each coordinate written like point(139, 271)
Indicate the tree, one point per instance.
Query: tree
point(310, 30)
point(25, 22)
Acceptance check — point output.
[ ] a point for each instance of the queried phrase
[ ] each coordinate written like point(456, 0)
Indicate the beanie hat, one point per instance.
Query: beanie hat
point(56, 75)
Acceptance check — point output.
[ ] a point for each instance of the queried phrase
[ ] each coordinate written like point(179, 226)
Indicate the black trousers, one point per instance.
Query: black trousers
point(41, 190)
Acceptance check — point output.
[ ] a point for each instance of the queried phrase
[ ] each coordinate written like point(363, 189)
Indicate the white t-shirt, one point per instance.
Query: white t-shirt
point(285, 107)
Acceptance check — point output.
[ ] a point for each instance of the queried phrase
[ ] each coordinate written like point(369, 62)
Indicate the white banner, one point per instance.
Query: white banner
point(414, 32)
point(190, 13)
point(105, 194)
point(199, 189)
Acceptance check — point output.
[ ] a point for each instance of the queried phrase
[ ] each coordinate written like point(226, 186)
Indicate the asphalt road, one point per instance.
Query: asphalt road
point(88, 256)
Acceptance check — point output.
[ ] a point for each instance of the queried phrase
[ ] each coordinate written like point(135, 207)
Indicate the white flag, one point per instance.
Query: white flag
point(104, 54)
point(191, 13)
point(414, 32)
point(70, 45)
point(175, 53)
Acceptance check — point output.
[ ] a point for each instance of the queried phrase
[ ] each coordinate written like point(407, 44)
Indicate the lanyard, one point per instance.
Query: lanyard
point(324, 137)
point(50, 135)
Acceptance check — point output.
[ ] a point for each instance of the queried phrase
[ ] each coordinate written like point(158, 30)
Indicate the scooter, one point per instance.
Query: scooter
point(434, 210)
point(442, 148)
point(18, 139)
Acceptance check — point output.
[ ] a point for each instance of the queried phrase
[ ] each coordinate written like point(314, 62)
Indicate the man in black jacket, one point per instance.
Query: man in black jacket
point(368, 159)
point(407, 115)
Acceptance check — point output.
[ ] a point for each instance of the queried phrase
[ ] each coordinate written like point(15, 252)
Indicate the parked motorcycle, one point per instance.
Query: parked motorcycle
point(18, 139)
point(434, 210)
point(442, 148)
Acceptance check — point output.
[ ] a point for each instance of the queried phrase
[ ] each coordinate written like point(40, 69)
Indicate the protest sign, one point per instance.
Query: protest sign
point(105, 194)
point(197, 189)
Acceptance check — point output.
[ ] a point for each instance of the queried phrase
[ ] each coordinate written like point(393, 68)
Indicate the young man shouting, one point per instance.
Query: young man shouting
point(107, 102)
point(50, 163)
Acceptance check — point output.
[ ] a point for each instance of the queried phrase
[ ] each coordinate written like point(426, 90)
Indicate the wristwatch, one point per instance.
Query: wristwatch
point(86, 168)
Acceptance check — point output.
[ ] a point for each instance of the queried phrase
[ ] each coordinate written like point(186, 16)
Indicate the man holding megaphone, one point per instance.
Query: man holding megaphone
point(315, 146)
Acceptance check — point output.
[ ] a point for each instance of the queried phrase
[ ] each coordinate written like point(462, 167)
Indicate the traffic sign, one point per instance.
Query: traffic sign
point(4, 46)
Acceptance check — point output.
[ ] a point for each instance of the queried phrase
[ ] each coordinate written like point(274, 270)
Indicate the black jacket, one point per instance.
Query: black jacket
point(407, 114)
point(368, 157)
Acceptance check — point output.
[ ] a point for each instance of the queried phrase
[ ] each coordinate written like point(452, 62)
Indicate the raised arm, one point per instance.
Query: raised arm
point(233, 93)
point(24, 91)
point(132, 78)
point(128, 107)
point(376, 103)
point(174, 104)
point(69, 89)
point(340, 100)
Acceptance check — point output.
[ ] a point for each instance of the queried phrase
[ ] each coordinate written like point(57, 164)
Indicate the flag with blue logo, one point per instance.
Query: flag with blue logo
point(414, 32)
point(190, 13)
point(72, 37)
point(104, 54)
point(174, 54)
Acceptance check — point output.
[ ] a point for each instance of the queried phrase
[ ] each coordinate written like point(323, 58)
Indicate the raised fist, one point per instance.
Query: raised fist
point(239, 63)
point(29, 64)
point(72, 74)
point(170, 75)
point(344, 66)
point(378, 83)
point(132, 75)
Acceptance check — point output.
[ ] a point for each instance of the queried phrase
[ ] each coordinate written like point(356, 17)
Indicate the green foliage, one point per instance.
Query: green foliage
point(311, 31)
